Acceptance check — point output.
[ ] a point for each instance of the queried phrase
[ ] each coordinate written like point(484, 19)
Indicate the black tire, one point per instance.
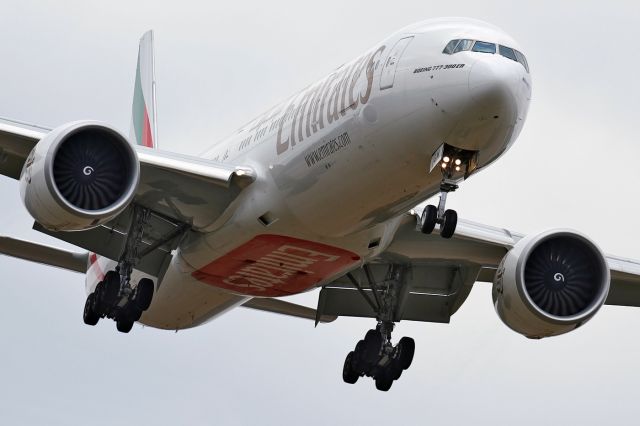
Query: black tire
point(133, 312)
point(450, 221)
point(89, 315)
point(406, 349)
point(384, 383)
point(372, 345)
point(429, 219)
point(348, 373)
point(144, 294)
point(111, 288)
point(124, 326)
point(358, 363)
point(98, 304)
point(395, 369)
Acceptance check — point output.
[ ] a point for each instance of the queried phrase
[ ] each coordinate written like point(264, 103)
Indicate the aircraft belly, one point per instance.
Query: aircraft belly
point(275, 265)
point(180, 301)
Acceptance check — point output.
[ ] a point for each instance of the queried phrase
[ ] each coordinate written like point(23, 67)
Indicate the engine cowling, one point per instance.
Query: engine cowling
point(79, 176)
point(551, 283)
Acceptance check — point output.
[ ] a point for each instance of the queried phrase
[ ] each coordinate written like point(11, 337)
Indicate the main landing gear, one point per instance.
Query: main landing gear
point(375, 356)
point(122, 304)
point(114, 296)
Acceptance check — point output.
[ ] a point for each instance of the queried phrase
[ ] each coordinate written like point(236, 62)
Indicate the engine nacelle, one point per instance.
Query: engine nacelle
point(79, 176)
point(550, 283)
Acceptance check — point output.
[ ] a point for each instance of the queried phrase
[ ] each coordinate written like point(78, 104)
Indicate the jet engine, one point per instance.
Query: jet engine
point(79, 176)
point(551, 283)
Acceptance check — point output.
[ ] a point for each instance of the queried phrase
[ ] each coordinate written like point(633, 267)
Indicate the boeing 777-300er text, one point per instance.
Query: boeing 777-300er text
point(173, 241)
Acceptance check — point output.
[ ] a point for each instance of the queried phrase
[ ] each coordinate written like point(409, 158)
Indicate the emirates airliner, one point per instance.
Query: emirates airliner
point(319, 192)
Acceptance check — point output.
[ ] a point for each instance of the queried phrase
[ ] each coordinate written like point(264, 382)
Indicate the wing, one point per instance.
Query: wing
point(16, 143)
point(183, 193)
point(164, 177)
point(78, 262)
point(443, 271)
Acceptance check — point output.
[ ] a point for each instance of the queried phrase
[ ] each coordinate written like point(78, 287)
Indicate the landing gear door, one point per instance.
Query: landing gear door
point(436, 158)
point(389, 70)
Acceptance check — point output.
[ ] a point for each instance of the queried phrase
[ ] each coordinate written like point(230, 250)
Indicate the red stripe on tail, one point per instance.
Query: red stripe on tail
point(147, 136)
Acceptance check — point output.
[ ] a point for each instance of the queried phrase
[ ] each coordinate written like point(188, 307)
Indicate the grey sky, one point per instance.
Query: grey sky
point(575, 165)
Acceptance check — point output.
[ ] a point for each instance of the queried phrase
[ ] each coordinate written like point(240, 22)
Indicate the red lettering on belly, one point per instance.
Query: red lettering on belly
point(274, 265)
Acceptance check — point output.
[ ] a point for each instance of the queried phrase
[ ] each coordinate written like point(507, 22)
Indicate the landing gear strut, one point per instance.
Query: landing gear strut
point(375, 356)
point(115, 297)
point(432, 215)
point(455, 164)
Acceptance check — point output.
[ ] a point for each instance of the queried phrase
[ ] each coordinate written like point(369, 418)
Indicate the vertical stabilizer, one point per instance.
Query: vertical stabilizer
point(143, 117)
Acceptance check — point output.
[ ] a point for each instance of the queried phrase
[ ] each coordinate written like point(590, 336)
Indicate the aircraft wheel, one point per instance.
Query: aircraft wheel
point(372, 345)
point(111, 288)
point(348, 374)
point(406, 349)
point(384, 382)
point(99, 296)
point(124, 326)
point(134, 313)
point(89, 315)
point(429, 219)
point(395, 369)
point(359, 364)
point(450, 221)
point(144, 294)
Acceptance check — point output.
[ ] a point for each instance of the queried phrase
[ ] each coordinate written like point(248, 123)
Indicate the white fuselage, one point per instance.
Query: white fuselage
point(338, 164)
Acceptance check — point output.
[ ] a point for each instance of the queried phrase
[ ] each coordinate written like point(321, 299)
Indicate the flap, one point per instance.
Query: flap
point(433, 292)
point(486, 245)
point(44, 254)
point(281, 307)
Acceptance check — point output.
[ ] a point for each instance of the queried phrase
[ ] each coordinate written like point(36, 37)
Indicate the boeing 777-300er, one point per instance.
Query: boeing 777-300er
point(321, 192)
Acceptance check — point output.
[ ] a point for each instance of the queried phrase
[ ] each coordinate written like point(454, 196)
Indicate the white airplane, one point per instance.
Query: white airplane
point(318, 192)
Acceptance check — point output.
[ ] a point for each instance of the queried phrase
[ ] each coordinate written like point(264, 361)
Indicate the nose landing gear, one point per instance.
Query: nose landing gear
point(432, 215)
point(455, 164)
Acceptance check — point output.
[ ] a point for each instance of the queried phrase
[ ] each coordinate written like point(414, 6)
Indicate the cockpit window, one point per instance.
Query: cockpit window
point(522, 60)
point(448, 49)
point(508, 52)
point(463, 45)
point(484, 47)
point(459, 45)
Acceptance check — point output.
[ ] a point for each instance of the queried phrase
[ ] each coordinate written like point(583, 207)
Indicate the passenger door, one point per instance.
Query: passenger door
point(389, 70)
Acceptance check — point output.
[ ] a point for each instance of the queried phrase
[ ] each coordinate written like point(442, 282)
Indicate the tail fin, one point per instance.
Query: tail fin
point(143, 117)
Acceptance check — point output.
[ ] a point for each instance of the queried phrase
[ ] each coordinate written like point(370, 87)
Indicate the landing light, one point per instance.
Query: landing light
point(458, 162)
point(444, 165)
point(446, 159)
point(457, 168)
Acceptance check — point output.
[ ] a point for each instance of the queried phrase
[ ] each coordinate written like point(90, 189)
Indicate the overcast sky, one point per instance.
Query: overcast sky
point(574, 165)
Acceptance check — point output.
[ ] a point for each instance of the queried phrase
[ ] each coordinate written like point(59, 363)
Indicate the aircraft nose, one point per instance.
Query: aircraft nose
point(501, 87)
point(498, 96)
point(493, 86)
